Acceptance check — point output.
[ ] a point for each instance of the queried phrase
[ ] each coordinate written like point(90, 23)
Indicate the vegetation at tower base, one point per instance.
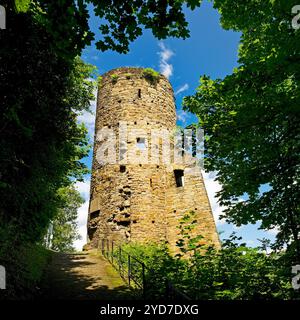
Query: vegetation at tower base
point(251, 119)
point(234, 272)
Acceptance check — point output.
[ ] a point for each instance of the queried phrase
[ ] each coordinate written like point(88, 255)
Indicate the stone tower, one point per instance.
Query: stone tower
point(137, 199)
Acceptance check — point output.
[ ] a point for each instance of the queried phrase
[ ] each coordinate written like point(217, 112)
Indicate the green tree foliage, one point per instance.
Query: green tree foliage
point(251, 119)
point(22, 5)
point(121, 21)
point(234, 272)
point(41, 142)
point(64, 224)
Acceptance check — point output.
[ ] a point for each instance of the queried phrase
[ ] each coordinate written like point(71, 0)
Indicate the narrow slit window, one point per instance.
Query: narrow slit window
point(94, 214)
point(122, 169)
point(91, 232)
point(139, 93)
point(179, 178)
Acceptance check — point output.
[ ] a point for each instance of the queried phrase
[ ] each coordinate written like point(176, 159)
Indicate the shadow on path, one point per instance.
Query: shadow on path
point(83, 276)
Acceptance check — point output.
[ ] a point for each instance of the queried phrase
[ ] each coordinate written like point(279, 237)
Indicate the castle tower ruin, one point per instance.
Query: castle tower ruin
point(141, 200)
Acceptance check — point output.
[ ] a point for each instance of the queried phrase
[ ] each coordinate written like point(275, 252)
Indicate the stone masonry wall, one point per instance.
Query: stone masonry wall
point(140, 201)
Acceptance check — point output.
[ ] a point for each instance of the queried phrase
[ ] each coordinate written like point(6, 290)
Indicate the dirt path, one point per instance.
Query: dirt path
point(83, 276)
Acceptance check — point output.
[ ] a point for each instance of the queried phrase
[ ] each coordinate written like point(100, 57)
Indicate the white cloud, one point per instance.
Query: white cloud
point(250, 243)
point(237, 228)
point(88, 118)
point(182, 116)
point(78, 244)
point(165, 54)
point(182, 89)
point(273, 231)
point(82, 213)
point(95, 57)
point(82, 226)
point(83, 188)
point(212, 187)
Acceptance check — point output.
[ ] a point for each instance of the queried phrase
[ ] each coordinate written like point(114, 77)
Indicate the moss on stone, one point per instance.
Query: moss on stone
point(128, 75)
point(151, 75)
point(114, 78)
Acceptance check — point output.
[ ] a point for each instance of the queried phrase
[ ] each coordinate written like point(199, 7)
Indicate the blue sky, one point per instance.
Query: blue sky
point(211, 51)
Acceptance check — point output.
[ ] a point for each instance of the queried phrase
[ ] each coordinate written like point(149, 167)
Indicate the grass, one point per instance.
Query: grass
point(25, 269)
point(35, 260)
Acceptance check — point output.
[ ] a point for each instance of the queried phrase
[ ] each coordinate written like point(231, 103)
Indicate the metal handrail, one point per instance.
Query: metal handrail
point(129, 274)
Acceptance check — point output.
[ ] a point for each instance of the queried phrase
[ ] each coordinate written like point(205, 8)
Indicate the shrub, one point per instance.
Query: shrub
point(234, 272)
point(25, 272)
point(160, 266)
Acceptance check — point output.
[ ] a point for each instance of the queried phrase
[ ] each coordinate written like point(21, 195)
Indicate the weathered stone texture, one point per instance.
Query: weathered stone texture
point(140, 201)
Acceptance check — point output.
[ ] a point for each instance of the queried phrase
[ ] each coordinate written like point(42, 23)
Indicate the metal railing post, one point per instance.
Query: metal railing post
point(144, 281)
point(129, 269)
point(112, 251)
point(120, 261)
